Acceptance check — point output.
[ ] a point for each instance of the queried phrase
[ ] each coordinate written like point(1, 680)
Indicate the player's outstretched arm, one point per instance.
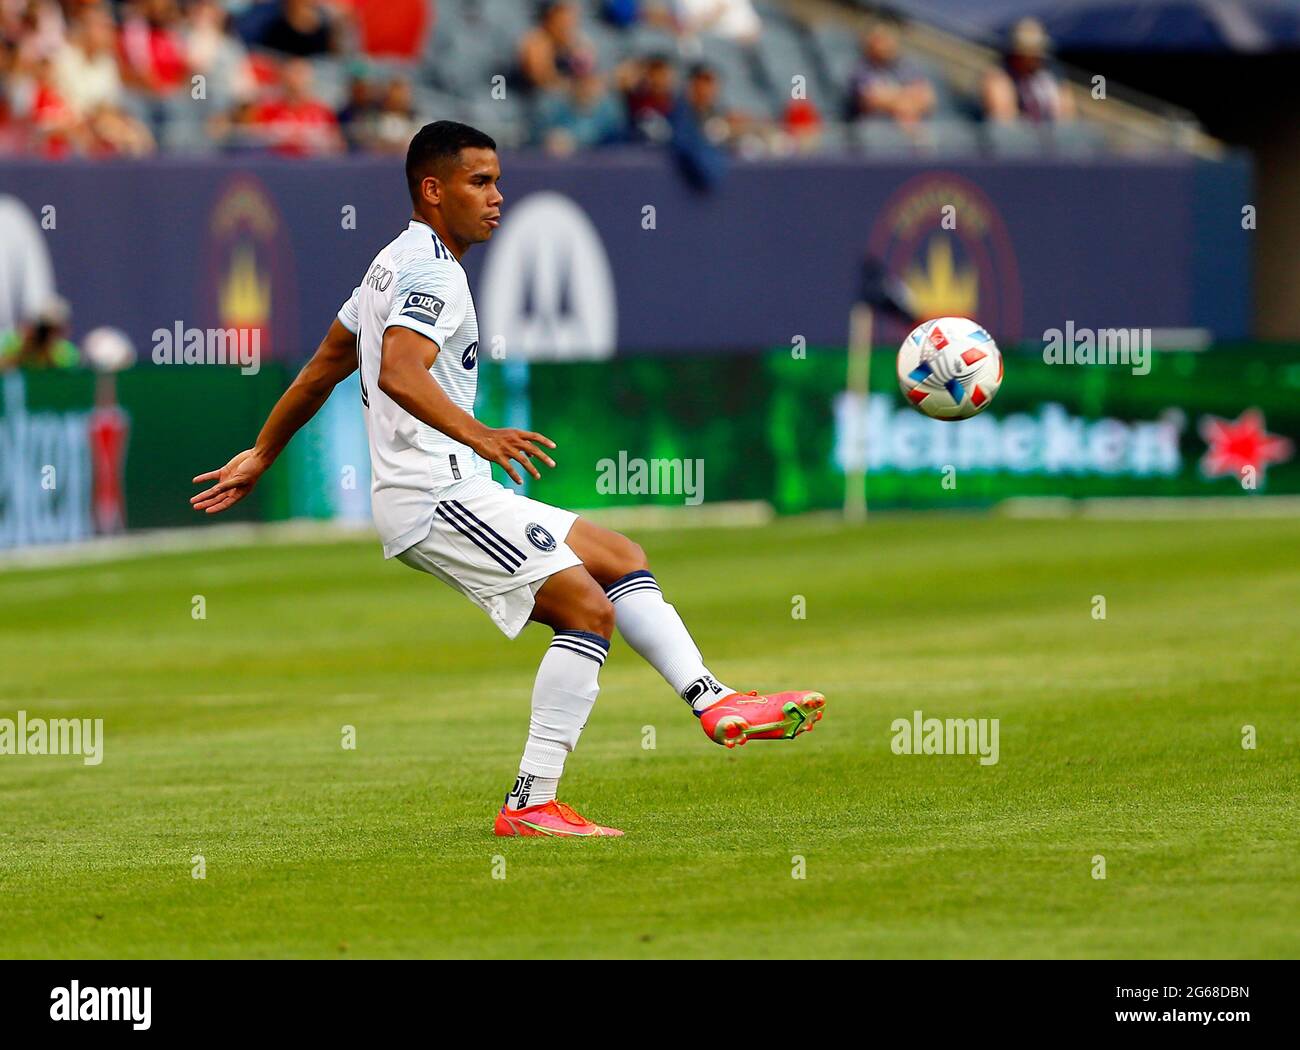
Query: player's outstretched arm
point(405, 360)
point(335, 359)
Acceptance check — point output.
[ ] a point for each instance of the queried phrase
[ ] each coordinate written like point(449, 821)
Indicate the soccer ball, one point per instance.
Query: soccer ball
point(108, 350)
point(949, 368)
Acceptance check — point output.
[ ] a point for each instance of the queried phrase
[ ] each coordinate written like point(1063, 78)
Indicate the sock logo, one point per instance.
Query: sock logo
point(520, 792)
point(702, 686)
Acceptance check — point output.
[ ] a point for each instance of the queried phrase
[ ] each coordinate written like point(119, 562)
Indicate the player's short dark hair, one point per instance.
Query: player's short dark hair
point(434, 145)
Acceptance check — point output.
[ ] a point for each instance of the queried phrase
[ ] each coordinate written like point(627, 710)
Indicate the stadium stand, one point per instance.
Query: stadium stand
point(196, 76)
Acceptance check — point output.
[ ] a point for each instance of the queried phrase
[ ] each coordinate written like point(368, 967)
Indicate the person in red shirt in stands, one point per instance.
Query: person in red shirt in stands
point(153, 49)
point(296, 123)
point(57, 127)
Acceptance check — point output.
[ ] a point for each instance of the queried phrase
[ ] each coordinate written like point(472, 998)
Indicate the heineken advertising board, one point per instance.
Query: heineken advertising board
point(1222, 422)
point(82, 455)
point(782, 428)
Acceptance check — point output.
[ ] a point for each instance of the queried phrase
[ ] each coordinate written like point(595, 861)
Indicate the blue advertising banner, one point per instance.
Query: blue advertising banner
point(616, 253)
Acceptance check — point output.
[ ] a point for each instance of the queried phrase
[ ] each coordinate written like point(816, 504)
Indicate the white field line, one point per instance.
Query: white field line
point(1161, 508)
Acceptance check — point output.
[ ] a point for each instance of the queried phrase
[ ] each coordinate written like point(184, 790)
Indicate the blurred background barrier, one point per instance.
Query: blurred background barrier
point(583, 269)
point(757, 427)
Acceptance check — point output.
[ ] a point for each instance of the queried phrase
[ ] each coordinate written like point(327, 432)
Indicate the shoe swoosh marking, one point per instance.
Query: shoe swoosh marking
point(554, 833)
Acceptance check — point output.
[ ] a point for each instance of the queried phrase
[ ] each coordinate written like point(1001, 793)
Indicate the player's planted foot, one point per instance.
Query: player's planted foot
point(551, 819)
point(747, 716)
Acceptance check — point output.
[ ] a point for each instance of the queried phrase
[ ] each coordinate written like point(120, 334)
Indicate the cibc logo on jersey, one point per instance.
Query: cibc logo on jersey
point(423, 307)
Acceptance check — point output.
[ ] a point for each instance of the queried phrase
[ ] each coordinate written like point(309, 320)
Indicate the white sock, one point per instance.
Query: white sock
point(563, 696)
point(653, 628)
point(531, 790)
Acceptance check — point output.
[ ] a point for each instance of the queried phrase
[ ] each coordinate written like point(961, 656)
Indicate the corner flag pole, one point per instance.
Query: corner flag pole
point(858, 387)
point(877, 293)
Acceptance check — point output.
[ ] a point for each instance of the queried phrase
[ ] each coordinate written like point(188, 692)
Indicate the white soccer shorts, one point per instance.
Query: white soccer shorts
point(496, 547)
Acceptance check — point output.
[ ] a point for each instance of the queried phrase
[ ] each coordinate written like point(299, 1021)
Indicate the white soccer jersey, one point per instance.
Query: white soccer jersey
point(417, 283)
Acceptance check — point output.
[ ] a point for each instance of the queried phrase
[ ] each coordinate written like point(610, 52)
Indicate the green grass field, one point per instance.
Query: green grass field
point(1120, 737)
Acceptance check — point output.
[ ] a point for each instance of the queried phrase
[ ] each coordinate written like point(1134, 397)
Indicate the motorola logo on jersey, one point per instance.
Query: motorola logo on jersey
point(539, 537)
point(470, 357)
point(548, 288)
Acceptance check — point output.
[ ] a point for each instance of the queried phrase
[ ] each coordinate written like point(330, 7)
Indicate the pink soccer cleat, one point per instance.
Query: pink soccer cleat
point(747, 716)
point(551, 819)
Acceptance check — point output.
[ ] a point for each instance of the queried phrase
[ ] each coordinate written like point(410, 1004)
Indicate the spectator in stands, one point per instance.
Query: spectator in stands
point(583, 116)
point(623, 14)
point(41, 342)
point(885, 84)
point(699, 110)
point(85, 67)
point(38, 24)
point(554, 52)
point(358, 109)
point(296, 122)
point(86, 77)
point(802, 123)
point(54, 129)
point(153, 49)
point(300, 27)
point(1026, 87)
point(216, 53)
point(734, 20)
point(391, 28)
point(389, 126)
point(649, 88)
point(10, 131)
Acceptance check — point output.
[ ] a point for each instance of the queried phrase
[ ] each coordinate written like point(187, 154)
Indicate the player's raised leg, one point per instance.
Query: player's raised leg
point(655, 630)
point(575, 606)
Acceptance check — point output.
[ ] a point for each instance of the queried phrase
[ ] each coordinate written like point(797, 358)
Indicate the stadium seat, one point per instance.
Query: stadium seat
point(742, 82)
point(1015, 139)
point(837, 52)
point(783, 53)
point(462, 59)
point(882, 137)
point(951, 137)
point(837, 137)
point(510, 18)
point(1076, 139)
point(182, 125)
point(611, 44)
point(649, 40)
point(432, 104)
point(331, 79)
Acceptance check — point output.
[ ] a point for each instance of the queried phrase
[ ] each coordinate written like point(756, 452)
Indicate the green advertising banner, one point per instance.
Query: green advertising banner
point(781, 428)
point(1213, 423)
point(84, 455)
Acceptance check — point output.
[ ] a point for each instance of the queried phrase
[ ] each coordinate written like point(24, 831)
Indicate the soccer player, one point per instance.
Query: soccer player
point(410, 328)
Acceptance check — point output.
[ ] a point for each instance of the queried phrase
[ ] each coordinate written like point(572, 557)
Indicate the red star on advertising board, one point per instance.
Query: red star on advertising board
point(1237, 444)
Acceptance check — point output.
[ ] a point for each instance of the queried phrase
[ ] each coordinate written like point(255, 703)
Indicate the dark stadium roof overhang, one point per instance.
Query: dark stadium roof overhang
point(1246, 26)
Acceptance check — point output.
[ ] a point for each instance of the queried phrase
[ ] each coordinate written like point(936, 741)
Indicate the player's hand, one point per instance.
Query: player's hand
point(509, 446)
point(234, 481)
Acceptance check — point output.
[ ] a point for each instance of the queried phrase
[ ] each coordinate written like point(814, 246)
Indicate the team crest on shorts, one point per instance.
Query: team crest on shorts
point(539, 537)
